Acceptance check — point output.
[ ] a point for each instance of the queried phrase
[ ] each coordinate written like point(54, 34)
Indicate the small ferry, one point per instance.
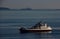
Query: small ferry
point(39, 27)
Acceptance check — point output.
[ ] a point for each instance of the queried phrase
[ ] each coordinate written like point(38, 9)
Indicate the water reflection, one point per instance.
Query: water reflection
point(39, 35)
point(44, 35)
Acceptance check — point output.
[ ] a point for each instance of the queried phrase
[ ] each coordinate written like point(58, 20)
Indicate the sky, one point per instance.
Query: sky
point(35, 4)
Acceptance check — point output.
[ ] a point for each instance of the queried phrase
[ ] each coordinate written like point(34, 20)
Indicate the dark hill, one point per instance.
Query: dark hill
point(3, 8)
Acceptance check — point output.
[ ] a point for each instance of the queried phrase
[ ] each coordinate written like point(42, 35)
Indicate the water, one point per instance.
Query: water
point(11, 21)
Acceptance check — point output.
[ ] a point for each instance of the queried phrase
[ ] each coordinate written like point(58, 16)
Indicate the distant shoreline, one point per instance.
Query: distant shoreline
point(29, 9)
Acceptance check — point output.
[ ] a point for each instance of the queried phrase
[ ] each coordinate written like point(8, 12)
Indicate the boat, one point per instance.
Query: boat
point(39, 27)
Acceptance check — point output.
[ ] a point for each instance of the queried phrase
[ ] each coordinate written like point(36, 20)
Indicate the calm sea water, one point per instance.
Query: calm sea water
point(11, 21)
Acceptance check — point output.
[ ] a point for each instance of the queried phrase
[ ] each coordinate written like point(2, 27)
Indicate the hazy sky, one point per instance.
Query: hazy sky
point(35, 4)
